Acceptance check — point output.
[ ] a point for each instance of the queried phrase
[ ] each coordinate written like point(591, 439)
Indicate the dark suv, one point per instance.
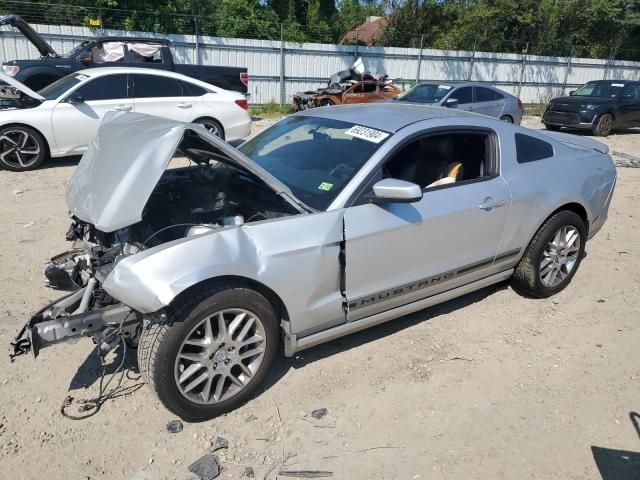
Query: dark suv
point(599, 106)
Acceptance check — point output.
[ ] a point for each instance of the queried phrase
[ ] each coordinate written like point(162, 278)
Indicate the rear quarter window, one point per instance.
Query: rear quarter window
point(530, 149)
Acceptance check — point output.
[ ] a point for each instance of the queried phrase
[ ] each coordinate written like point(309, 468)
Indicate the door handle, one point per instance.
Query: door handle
point(490, 203)
point(123, 108)
point(185, 105)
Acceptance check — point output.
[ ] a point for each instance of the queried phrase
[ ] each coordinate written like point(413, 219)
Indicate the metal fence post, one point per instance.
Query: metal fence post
point(282, 64)
point(566, 72)
point(473, 57)
point(195, 24)
point(419, 59)
point(524, 64)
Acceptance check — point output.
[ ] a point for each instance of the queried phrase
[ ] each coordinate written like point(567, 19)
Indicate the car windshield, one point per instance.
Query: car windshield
point(314, 157)
point(425, 93)
point(57, 88)
point(75, 51)
point(600, 89)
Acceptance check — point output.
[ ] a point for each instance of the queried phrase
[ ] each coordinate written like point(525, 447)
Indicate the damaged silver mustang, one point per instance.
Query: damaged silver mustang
point(331, 221)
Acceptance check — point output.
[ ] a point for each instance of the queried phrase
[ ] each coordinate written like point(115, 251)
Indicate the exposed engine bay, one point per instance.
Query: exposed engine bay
point(12, 97)
point(204, 193)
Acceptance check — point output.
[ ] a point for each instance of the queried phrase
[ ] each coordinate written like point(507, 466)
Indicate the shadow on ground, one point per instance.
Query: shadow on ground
point(91, 370)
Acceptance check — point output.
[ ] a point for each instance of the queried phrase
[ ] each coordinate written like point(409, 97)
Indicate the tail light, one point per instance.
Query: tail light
point(242, 103)
point(244, 78)
point(520, 105)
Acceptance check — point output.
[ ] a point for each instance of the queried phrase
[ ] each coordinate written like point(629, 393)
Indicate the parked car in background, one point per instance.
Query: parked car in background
point(467, 96)
point(331, 221)
point(106, 52)
point(598, 106)
point(62, 118)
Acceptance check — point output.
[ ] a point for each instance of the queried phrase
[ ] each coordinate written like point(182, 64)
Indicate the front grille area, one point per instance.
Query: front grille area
point(561, 118)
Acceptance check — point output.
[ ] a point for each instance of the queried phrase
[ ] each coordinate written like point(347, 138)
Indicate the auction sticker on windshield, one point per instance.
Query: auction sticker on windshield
point(366, 133)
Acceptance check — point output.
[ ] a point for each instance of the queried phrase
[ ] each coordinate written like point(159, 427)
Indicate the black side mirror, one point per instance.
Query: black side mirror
point(572, 92)
point(75, 98)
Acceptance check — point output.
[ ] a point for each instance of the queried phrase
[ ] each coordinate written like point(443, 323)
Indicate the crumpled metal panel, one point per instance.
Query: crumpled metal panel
point(297, 257)
point(119, 170)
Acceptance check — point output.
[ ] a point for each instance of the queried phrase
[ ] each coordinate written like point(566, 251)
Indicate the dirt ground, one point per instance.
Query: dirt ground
point(488, 386)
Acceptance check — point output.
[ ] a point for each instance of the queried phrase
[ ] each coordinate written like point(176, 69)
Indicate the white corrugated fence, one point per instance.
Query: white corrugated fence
point(308, 66)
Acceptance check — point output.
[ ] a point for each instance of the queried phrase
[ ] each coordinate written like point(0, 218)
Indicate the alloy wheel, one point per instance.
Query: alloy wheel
point(211, 126)
point(19, 149)
point(560, 256)
point(220, 356)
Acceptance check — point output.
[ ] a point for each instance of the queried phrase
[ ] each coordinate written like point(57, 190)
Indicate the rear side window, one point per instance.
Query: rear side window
point(191, 90)
point(153, 86)
point(530, 149)
point(108, 87)
point(484, 95)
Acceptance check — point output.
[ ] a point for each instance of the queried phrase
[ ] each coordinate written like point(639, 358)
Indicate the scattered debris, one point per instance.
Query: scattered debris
point(250, 418)
point(219, 444)
point(555, 301)
point(207, 468)
point(459, 356)
point(601, 300)
point(248, 472)
point(319, 413)
point(29, 224)
point(305, 474)
point(174, 426)
point(599, 345)
point(18, 192)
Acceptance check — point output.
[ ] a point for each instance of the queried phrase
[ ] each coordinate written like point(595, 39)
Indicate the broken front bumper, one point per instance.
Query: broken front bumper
point(65, 319)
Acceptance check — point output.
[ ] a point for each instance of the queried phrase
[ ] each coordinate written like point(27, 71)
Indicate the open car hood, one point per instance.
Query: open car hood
point(21, 86)
point(30, 34)
point(120, 169)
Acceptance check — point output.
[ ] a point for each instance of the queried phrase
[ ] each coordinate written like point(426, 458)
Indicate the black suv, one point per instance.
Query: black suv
point(599, 106)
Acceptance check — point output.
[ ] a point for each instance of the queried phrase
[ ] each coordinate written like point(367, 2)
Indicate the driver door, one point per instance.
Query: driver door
point(398, 253)
point(75, 123)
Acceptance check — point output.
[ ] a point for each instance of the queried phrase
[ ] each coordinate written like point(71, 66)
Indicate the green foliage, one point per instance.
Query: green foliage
point(594, 28)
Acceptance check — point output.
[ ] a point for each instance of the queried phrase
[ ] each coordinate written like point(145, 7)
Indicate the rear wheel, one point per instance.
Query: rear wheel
point(603, 126)
point(211, 354)
point(553, 256)
point(213, 126)
point(21, 148)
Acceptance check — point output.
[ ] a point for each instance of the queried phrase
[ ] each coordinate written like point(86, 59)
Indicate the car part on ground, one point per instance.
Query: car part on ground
point(599, 106)
point(347, 87)
point(108, 52)
point(63, 118)
point(214, 264)
point(468, 96)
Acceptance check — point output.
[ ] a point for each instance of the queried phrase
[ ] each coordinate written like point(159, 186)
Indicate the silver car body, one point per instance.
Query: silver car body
point(353, 265)
point(502, 105)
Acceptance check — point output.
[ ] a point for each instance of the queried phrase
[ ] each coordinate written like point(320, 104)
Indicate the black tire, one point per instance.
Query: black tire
point(553, 128)
point(604, 125)
point(527, 278)
point(34, 141)
point(160, 344)
point(212, 125)
point(507, 118)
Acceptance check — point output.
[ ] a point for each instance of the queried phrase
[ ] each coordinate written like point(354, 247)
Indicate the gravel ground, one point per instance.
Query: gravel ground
point(488, 386)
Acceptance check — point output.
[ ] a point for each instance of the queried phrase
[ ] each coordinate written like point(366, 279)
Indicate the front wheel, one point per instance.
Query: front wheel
point(212, 353)
point(21, 148)
point(603, 126)
point(553, 256)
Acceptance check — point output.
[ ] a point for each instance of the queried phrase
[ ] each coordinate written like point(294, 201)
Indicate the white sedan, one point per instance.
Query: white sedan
point(63, 118)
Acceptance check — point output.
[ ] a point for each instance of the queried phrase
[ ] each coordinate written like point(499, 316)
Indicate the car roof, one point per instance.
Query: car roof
point(612, 81)
point(101, 71)
point(386, 116)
